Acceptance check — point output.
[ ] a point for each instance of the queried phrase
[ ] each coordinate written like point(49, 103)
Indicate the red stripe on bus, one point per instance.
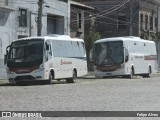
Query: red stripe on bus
point(150, 57)
point(108, 68)
point(23, 70)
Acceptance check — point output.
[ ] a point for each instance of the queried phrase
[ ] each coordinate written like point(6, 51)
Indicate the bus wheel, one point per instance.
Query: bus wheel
point(15, 83)
point(131, 74)
point(73, 79)
point(50, 79)
point(148, 75)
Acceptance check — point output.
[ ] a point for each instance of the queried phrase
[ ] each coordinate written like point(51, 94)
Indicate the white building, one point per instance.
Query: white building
point(18, 18)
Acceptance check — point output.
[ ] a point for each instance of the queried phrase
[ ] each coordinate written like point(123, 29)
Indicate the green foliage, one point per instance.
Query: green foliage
point(91, 38)
point(155, 37)
point(146, 35)
point(89, 41)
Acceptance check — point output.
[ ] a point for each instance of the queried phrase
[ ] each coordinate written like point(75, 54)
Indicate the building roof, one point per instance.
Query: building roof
point(80, 5)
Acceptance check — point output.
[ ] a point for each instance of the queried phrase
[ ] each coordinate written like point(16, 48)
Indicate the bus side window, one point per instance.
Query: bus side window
point(126, 55)
point(55, 48)
point(81, 49)
point(48, 52)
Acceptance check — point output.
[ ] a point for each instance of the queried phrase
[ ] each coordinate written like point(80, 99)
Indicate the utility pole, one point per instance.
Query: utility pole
point(39, 18)
point(158, 37)
point(131, 18)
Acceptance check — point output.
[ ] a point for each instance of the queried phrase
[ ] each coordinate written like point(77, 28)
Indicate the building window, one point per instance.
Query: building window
point(22, 18)
point(55, 24)
point(146, 22)
point(6, 2)
point(79, 20)
point(122, 22)
point(156, 22)
point(141, 20)
point(151, 23)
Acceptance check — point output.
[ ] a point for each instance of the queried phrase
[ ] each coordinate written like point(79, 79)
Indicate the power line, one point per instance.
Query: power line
point(115, 6)
point(23, 2)
point(55, 9)
point(112, 19)
point(97, 15)
point(20, 1)
point(113, 9)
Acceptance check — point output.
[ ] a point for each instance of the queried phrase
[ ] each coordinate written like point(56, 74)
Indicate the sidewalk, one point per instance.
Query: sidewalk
point(2, 82)
point(91, 74)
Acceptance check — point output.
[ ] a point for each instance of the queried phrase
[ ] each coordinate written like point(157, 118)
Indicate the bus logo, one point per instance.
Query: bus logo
point(6, 114)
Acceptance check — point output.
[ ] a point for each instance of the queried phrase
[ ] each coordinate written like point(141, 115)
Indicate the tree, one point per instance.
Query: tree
point(89, 41)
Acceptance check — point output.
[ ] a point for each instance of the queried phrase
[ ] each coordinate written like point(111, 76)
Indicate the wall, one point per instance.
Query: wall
point(76, 30)
point(9, 27)
point(7, 32)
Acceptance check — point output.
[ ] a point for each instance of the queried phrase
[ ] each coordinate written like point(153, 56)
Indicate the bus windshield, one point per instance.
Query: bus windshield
point(26, 53)
point(108, 53)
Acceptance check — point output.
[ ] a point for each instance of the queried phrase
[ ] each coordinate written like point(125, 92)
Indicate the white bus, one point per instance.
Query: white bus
point(124, 56)
point(46, 58)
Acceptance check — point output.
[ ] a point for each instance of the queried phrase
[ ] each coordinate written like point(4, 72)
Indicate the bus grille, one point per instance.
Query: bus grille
point(27, 77)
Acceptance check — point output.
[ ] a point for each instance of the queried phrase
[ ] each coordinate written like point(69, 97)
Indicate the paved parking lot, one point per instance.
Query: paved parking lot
point(87, 94)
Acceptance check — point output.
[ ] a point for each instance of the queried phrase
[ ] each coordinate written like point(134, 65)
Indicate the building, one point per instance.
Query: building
point(126, 17)
point(77, 23)
point(113, 18)
point(18, 18)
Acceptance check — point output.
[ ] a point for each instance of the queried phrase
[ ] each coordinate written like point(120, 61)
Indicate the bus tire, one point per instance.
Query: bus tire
point(50, 78)
point(131, 74)
point(148, 75)
point(73, 79)
point(15, 83)
point(125, 76)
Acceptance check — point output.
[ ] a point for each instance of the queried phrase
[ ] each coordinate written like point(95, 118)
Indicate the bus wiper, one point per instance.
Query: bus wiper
point(103, 60)
point(108, 56)
point(112, 59)
point(17, 59)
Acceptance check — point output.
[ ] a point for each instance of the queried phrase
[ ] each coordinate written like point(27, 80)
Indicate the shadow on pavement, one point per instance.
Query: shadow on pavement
point(30, 83)
point(5, 84)
point(87, 77)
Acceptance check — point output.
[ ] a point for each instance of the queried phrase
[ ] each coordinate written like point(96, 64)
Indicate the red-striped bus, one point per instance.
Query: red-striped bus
point(124, 56)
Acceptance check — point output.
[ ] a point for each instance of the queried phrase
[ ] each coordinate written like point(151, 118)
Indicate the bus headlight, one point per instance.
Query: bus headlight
point(8, 71)
point(41, 68)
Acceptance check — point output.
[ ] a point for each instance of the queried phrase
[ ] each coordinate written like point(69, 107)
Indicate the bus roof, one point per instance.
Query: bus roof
point(127, 38)
point(54, 37)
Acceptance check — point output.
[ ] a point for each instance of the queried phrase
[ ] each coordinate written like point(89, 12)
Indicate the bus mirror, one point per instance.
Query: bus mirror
point(7, 52)
point(126, 55)
point(8, 47)
point(5, 59)
point(6, 55)
point(47, 46)
point(126, 58)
